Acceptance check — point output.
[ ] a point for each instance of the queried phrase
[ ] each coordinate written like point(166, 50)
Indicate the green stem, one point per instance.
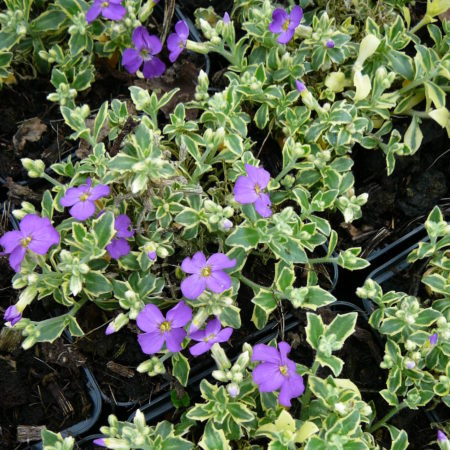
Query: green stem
point(425, 21)
point(324, 259)
point(307, 395)
point(47, 177)
point(76, 307)
point(250, 283)
point(421, 114)
point(284, 172)
point(391, 413)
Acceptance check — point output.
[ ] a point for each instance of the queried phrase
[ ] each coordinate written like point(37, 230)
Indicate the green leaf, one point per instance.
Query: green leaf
point(244, 236)
point(434, 94)
point(342, 327)
point(103, 229)
point(240, 412)
point(262, 116)
point(413, 135)
point(48, 21)
point(401, 63)
point(314, 330)
point(214, 439)
point(47, 205)
point(96, 283)
point(100, 120)
point(180, 368)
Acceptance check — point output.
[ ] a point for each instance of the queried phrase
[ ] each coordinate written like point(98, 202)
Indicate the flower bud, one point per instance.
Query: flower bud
point(233, 390)
point(35, 168)
point(220, 357)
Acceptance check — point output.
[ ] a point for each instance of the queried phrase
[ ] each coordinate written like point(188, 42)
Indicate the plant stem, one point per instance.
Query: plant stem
point(307, 395)
point(47, 177)
point(425, 21)
point(391, 413)
point(250, 283)
point(76, 307)
point(324, 259)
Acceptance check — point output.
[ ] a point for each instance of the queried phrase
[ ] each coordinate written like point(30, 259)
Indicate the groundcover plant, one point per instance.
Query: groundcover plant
point(182, 226)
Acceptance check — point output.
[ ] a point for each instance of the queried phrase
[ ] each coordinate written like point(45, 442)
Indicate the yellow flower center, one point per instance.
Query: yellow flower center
point(286, 24)
point(84, 197)
point(257, 189)
point(208, 338)
point(25, 241)
point(284, 370)
point(165, 326)
point(105, 4)
point(206, 271)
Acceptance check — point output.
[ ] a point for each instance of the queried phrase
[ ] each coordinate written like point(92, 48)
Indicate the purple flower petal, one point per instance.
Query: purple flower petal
point(200, 348)
point(266, 353)
point(330, 43)
point(193, 286)
point(194, 264)
point(114, 12)
point(141, 38)
point(42, 239)
point(99, 191)
point(100, 442)
point(295, 17)
point(441, 436)
point(212, 327)
point(151, 342)
point(118, 247)
point(268, 377)
point(153, 68)
point(131, 60)
point(258, 175)
point(110, 329)
point(223, 335)
point(151, 255)
point(12, 315)
point(262, 205)
point(218, 281)
point(82, 210)
point(284, 348)
point(16, 257)
point(292, 387)
point(174, 338)
point(11, 239)
point(220, 261)
point(179, 315)
point(182, 29)
point(279, 17)
point(244, 190)
point(154, 45)
point(149, 319)
point(433, 339)
point(72, 196)
point(175, 45)
point(300, 86)
point(31, 222)
point(226, 18)
point(93, 12)
point(197, 335)
point(122, 226)
point(285, 37)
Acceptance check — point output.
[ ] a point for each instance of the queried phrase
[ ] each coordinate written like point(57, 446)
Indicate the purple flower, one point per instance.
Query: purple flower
point(109, 9)
point(35, 233)
point(300, 86)
point(285, 24)
point(100, 442)
point(12, 315)
point(249, 189)
point(277, 371)
point(226, 18)
point(209, 336)
point(176, 42)
point(110, 329)
point(433, 339)
point(206, 274)
point(119, 246)
point(151, 255)
point(146, 48)
point(82, 199)
point(159, 329)
point(441, 436)
point(330, 43)
point(410, 364)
